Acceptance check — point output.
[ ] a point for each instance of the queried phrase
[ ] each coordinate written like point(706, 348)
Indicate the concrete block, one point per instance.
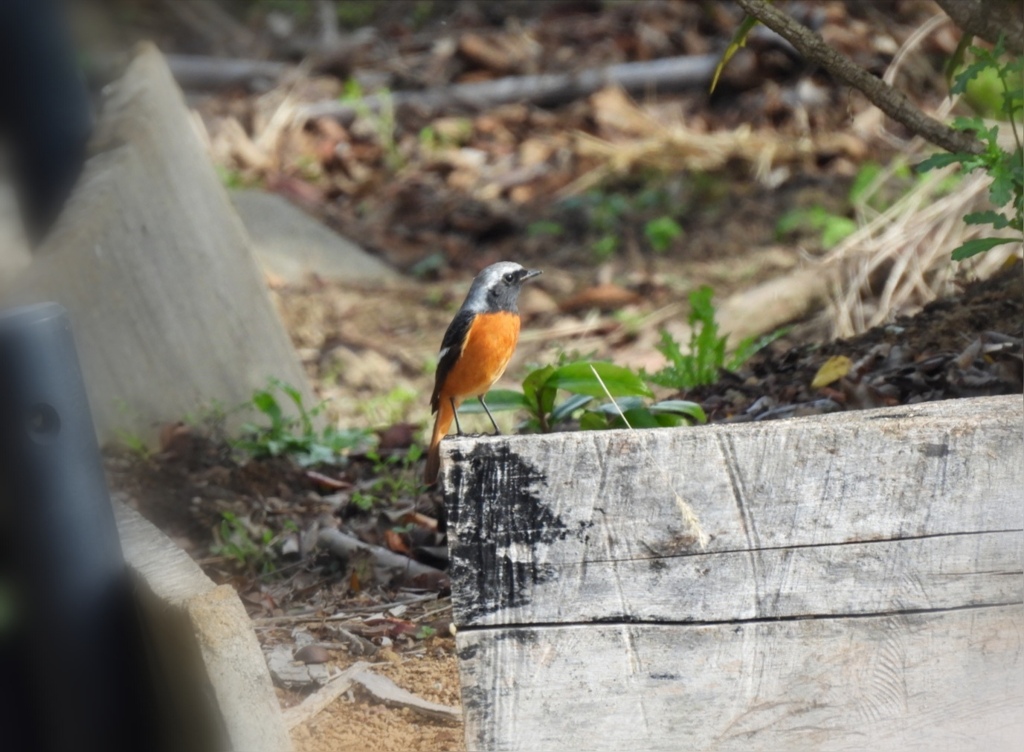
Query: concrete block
point(169, 309)
point(214, 682)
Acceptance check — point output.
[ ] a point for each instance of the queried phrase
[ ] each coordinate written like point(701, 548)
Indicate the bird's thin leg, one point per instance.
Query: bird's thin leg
point(497, 431)
point(455, 412)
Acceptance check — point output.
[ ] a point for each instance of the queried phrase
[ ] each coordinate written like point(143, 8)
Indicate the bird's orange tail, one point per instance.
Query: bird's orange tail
point(445, 415)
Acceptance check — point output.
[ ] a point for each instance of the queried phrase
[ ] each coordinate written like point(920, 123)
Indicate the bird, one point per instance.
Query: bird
point(476, 349)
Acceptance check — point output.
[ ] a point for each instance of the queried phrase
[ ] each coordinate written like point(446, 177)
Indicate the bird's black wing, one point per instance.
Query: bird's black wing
point(451, 349)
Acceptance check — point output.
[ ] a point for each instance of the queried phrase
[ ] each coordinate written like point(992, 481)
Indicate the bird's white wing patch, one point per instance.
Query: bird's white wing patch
point(444, 351)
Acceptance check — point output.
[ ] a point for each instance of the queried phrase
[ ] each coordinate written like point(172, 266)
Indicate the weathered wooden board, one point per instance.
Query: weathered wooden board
point(544, 526)
point(937, 682)
point(827, 541)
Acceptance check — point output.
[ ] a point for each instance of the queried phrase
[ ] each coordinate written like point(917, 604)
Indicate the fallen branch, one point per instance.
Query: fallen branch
point(391, 694)
point(671, 73)
point(387, 565)
point(201, 72)
point(315, 703)
point(891, 101)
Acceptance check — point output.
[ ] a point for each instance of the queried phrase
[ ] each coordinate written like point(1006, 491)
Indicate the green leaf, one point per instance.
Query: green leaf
point(994, 218)
point(498, 400)
point(579, 378)
point(865, 178)
point(957, 58)
point(661, 232)
point(978, 245)
point(739, 39)
point(939, 160)
point(681, 407)
point(267, 404)
point(291, 391)
point(836, 228)
point(605, 246)
point(534, 382)
point(748, 346)
point(623, 404)
point(571, 405)
point(593, 421)
point(639, 417)
point(968, 73)
point(1001, 189)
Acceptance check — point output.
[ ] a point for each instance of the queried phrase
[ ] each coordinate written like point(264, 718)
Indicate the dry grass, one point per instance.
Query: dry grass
point(898, 260)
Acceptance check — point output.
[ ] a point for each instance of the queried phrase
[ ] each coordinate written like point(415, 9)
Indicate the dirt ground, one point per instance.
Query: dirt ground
point(358, 724)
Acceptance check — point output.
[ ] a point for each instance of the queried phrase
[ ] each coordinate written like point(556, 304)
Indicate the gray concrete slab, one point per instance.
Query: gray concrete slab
point(290, 245)
point(170, 311)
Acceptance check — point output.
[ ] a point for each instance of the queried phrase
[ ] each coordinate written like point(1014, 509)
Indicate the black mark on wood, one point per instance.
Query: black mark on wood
point(935, 450)
point(499, 523)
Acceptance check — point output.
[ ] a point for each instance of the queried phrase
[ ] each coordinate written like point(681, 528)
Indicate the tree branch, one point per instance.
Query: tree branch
point(891, 101)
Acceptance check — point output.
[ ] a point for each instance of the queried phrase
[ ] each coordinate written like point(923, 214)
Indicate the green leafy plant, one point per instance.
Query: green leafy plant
point(425, 632)
point(604, 216)
point(236, 542)
point(234, 179)
point(706, 355)
point(1005, 168)
point(395, 477)
point(134, 443)
point(661, 232)
point(294, 435)
point(381, 122)
point(392, 407)
point(586, 382)
point(833, 227)
point(446, 134)
point(363, 501)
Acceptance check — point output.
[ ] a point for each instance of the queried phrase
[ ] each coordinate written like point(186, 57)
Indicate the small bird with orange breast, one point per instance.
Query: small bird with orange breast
point(476, 349)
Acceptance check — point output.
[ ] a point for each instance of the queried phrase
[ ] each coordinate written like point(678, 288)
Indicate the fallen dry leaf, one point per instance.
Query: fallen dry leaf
point(831, 371)
point(604, 297)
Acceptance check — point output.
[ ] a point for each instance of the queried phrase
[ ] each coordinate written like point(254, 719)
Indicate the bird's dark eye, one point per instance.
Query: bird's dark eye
point(510, 278)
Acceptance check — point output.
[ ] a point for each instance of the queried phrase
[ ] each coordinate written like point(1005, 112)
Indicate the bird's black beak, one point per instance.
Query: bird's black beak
point(530, 274)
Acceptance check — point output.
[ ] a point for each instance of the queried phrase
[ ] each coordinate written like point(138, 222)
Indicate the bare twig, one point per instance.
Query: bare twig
point(205, 72)
point(319, 700)
point(390, 693)
point(667, 73)
point(891, 101)
point(387, 564)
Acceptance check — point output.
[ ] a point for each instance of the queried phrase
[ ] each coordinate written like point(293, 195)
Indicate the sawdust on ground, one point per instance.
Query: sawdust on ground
point(356, 722)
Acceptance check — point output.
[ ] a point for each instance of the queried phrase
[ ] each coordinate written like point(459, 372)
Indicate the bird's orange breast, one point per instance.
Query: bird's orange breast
point(489, 345)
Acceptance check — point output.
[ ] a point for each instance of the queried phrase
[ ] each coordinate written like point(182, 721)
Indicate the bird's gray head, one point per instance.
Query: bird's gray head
point(497, 288)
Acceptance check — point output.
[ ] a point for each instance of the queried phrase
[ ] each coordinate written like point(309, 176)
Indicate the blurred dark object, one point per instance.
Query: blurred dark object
point(75, 670)
point(45, 116)
point(989, 19)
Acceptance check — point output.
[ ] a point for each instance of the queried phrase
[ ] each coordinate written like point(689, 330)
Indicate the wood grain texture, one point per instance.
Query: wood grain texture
point(851, 513)
point(861, 585)
point(942, 682)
